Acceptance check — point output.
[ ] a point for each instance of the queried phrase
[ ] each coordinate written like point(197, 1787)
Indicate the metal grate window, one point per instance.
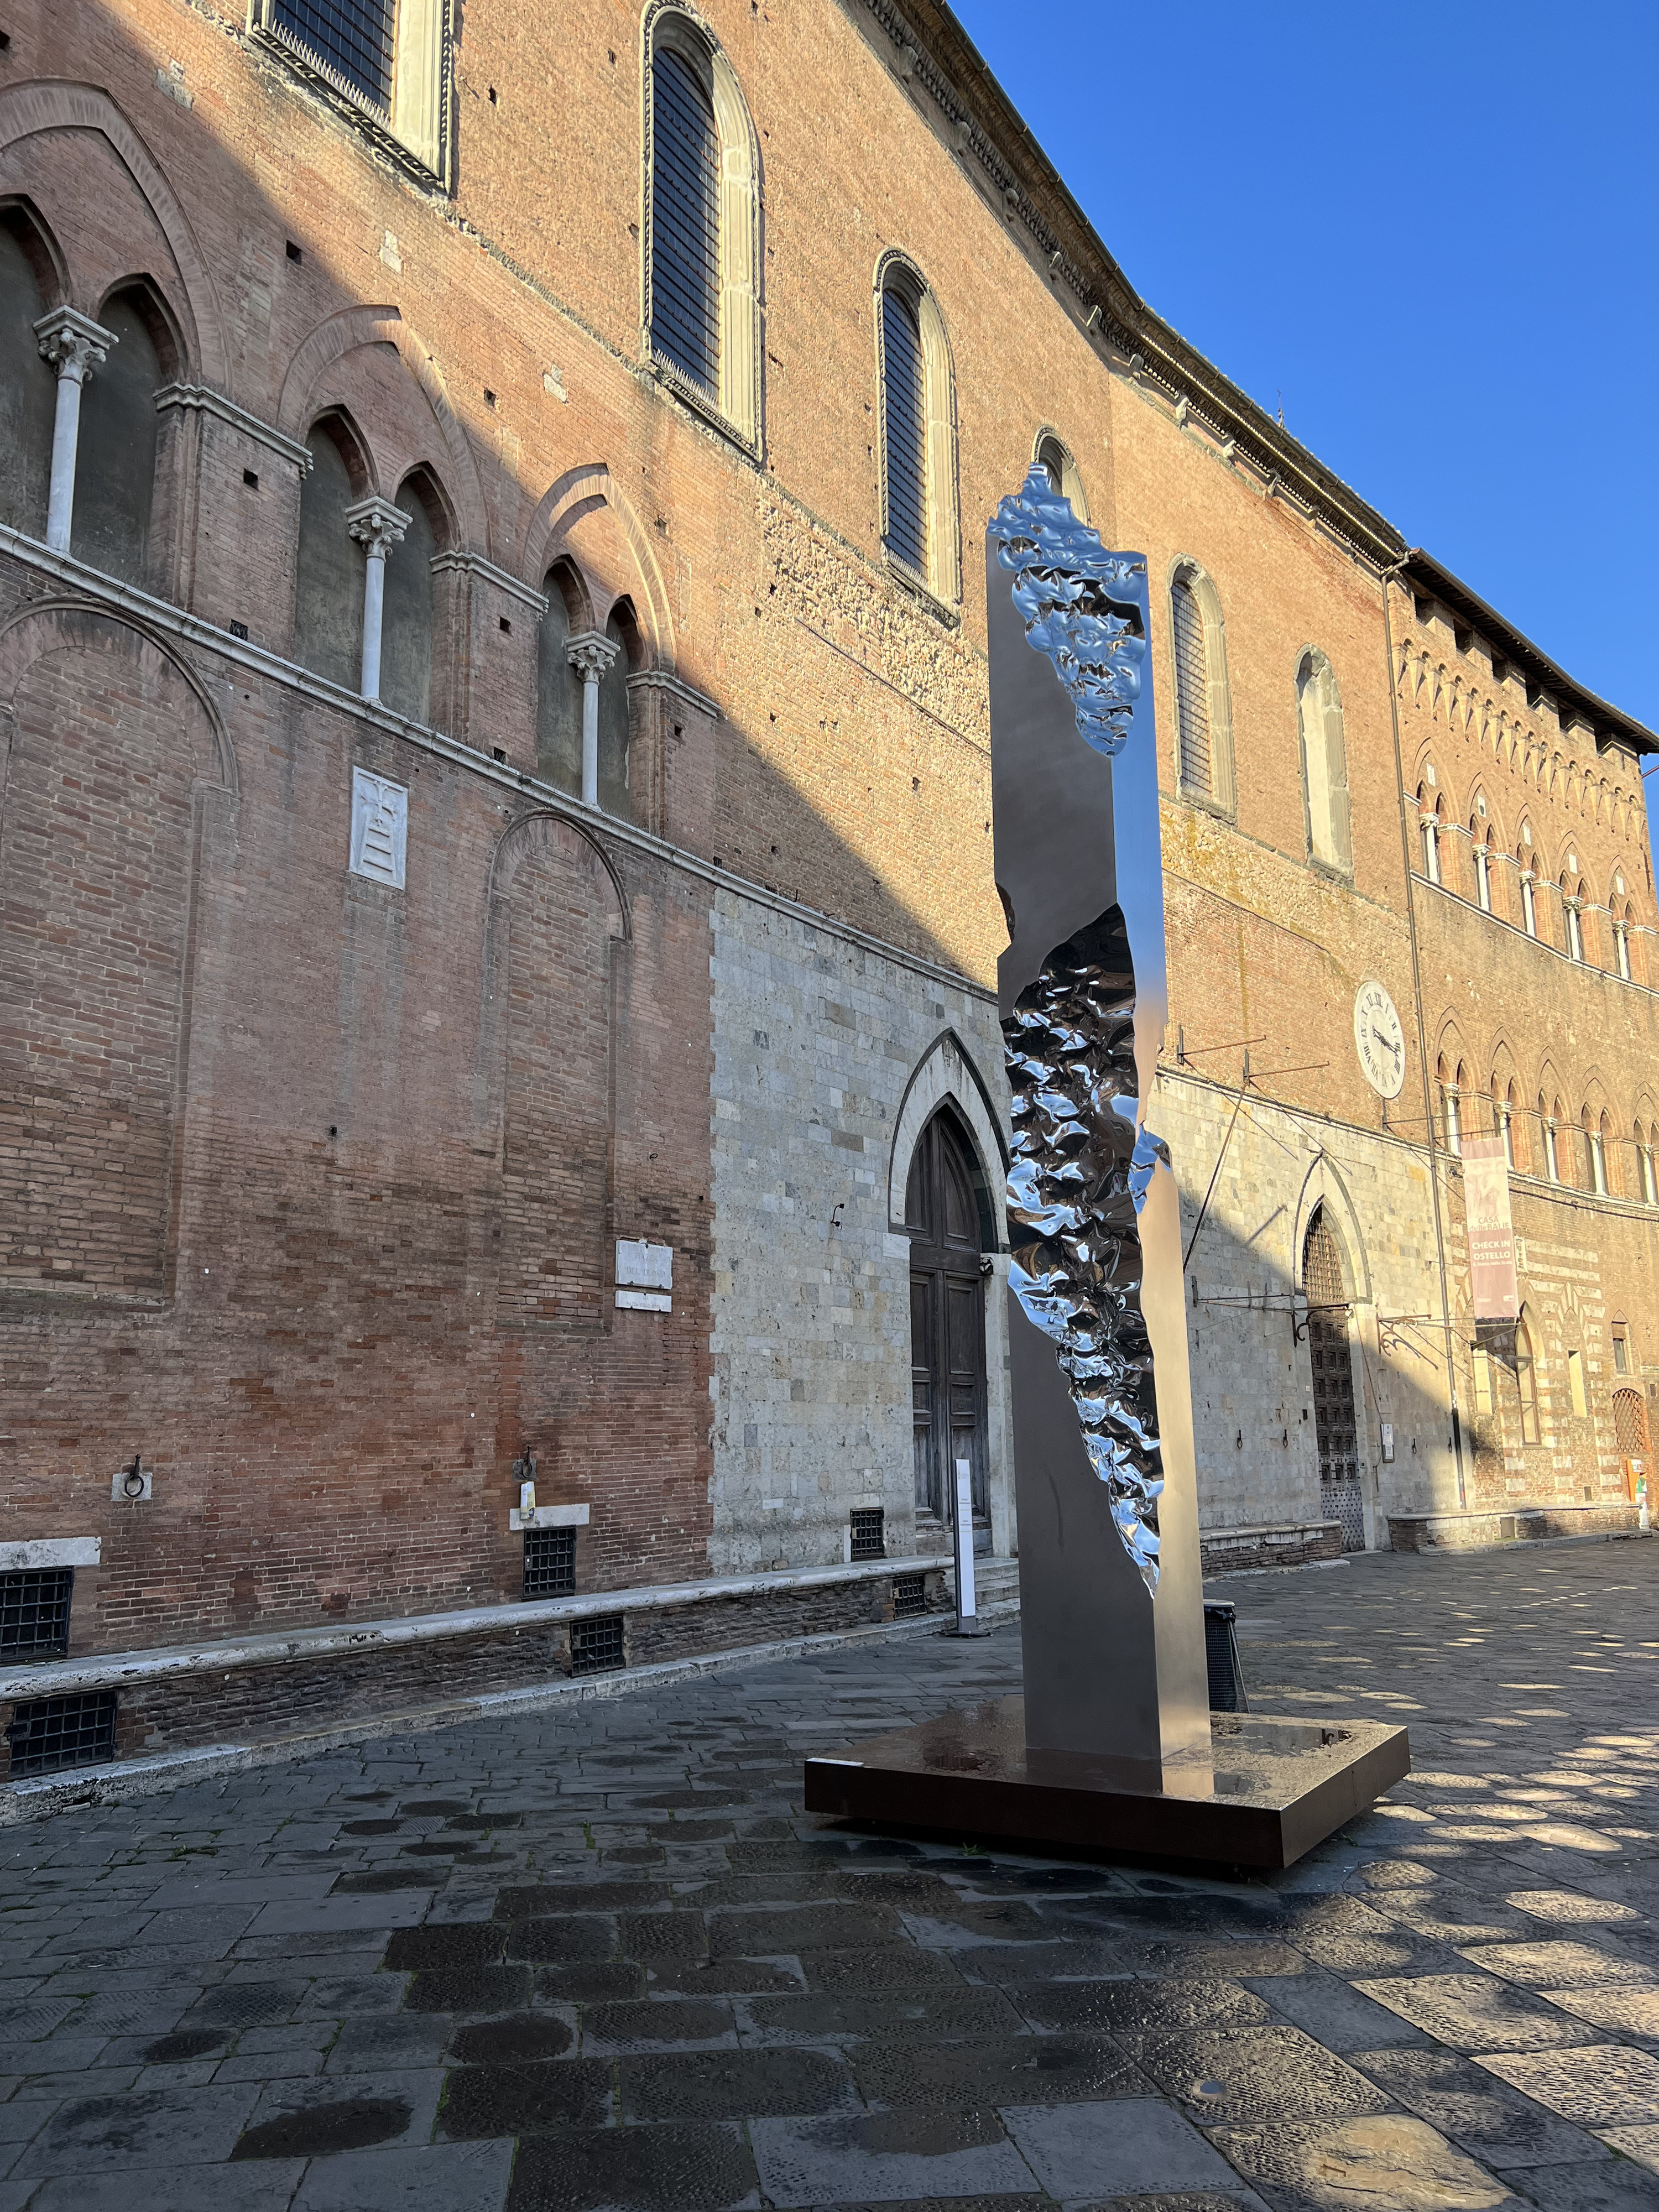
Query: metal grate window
point(34, 1613)
point(685, 225)
point(550, 1562)
point(910, 1596)
point(1192, 690)
point(597, 1644)
point(904, 431)
point(352, 39)
point(869, 1538)
point(48, 1733)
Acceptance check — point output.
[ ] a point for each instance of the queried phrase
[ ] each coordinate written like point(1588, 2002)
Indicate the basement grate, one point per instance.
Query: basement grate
point(550, 1562)
point(34, 1613)
point(869, 1538)
point(910, 1596)
point(49, 1733)
point(597, 1644)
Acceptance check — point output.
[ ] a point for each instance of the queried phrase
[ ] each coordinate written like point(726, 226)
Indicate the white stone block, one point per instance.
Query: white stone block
point(50, 1551)
point(379, 829)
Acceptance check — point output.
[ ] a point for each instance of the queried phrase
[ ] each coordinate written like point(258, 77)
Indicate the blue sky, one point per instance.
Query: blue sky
point(1432, 231)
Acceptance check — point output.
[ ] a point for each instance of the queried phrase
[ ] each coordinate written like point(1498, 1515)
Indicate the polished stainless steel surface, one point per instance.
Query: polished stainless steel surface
point(1102, 1418)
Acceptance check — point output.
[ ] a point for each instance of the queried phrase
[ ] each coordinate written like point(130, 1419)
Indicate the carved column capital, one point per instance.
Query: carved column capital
point(377, 526)
point(72, 343)
point(589, 652)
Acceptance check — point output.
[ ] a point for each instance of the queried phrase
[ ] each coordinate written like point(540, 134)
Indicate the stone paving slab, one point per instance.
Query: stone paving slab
point(597, 1960)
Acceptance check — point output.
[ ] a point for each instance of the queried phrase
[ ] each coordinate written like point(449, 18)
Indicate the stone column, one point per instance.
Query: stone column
point(378, 526)
point(590, 653)
point(73, 345)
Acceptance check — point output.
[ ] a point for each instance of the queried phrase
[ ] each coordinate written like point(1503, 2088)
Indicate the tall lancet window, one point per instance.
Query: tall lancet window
point(686, 223)
point(904, 431)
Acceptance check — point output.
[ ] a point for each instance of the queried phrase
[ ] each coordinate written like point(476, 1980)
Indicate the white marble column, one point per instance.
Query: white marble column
point(73, 345)
point(378, 526)
point(591, 653)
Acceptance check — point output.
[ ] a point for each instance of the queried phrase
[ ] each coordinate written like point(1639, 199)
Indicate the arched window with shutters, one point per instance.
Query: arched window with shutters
point(1646, 1171)
point(1324, 762)
point(919, 527)
point(1204, 736)
point(701, 230)
point(1054, 458)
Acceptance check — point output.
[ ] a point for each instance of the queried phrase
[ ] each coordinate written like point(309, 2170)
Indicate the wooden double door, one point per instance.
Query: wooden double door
point(947, 1320)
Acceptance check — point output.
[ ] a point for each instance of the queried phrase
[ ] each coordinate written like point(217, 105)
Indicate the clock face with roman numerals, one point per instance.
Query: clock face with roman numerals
point(1380, 1041)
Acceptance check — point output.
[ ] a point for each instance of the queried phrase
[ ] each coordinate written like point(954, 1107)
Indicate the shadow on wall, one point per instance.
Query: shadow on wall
point(402, 480)
point(1290, 1388)
point(344, 1287)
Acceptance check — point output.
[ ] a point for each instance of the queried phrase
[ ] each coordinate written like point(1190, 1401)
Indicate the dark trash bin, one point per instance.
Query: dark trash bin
point(1221, 1658)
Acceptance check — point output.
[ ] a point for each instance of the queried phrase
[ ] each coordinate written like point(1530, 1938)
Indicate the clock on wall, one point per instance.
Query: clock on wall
point(1380, 1039)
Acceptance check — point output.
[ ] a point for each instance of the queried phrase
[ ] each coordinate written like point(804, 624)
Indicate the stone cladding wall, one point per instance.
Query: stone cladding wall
point(818, 1043)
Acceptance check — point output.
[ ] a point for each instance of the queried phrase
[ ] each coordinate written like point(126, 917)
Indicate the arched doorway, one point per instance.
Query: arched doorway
point(945, 1213)
point(1335, 1426)
point(1630, 1430)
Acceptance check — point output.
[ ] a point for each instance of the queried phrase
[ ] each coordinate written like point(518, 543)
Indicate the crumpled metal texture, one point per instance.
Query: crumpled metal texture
point(1080, 1167)
point(1063, 580)
point(1079, 1176)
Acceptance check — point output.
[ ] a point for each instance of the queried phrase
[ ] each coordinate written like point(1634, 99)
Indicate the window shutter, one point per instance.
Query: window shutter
point(684, 223)
point(353, 39)
point(904, 432)
point(1192, 692)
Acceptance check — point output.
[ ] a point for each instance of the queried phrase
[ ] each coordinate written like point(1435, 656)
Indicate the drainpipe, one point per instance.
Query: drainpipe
point(1388, 575)
point(73, 345)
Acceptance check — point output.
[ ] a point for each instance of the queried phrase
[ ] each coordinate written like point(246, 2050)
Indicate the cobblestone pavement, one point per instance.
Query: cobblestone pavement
point(595, 1957)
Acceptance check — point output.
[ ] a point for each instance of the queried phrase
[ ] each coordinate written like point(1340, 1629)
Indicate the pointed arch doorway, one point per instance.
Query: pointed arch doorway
point(946, 1213)
point(1336, 1428)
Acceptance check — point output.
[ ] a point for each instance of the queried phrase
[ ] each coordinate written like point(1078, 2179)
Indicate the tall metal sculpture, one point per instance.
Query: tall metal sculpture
point(1112, 1606)
point(1114, 1742)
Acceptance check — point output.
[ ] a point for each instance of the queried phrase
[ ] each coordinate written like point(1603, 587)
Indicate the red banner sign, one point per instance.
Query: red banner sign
point(1492, 1233)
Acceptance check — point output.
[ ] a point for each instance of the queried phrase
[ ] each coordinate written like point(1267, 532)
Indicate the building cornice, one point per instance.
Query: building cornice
point(1427, 578)
point(931, 48)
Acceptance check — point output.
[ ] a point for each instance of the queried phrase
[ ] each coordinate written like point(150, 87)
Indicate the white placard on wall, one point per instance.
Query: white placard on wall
point(379, 829)
point(648, 1270)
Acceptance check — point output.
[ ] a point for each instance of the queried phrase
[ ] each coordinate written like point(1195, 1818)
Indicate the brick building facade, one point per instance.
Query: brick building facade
point(496, 870)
